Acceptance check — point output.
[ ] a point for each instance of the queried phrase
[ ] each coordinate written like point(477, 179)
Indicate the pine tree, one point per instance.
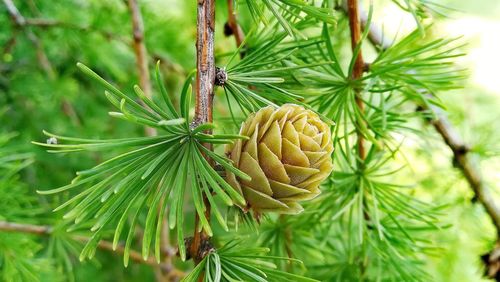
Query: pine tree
point(284, 158)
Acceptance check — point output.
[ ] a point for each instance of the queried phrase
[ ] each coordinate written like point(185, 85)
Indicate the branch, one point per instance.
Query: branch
point(45, 230)
point(43, 22)
point(25, 228)
point(464, 161)
point(232, 27)
point(205, 81)
point(460, 150)
point(139, 47)
point(357, 73)
point(205, 61)
point(141, 54)
point(375, 35)
point(51, 23)
point(20, 23)
point(169, 65)
point(355, 27)
point(14, 13)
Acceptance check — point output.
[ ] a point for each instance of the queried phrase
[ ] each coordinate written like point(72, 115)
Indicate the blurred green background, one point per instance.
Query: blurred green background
point(36, 94)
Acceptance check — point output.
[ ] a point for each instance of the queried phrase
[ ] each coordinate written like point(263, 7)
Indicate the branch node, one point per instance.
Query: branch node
point(462, 149)
point(492, 263)
point(366, 67)
point(228, 30)
point(220, 76)
point(205, 248)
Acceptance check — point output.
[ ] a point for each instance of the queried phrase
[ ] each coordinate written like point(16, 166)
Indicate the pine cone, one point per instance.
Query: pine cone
point(288, 155)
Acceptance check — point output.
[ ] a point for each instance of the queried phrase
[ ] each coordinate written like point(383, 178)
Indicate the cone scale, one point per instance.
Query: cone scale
point(288, 156)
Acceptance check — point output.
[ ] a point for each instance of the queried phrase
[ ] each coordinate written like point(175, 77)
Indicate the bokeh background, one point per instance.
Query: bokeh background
point(40, 88)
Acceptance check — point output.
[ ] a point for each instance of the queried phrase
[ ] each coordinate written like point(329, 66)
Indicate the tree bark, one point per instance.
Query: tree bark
point(45, 230)
point(355, 27)
point(205, 81)
point(357, 73)
point(141, 54)
point(205, 61)
point(233, 26)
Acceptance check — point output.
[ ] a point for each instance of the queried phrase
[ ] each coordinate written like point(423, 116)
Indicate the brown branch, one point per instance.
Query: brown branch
point(205, 61)
point(45, 230)
point(139, 47)
point(141, 55)
point(14, 13)
point(492, 263)
point(140, 52)
point(357, 73)
point(169, 65)
point(464, 161)
point(10, 43)
point(68, 109)
point(375, 34)
point(205, 80)
point(25, 228)
point(52, 23)
point(232, 27)
point(20, 23)
point(43, 22)
point(460, 150)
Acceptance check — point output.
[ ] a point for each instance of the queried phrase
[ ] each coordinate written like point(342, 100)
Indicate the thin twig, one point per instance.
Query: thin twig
point(169, 65)
point(357, 73)
point(465, 162)
point(141, 54)
point(355, 27)
point(205, 81)
point(14, 12)
point(139, 47)
point(25, 228)
point(232, 27)
point(45, 230)
point(52, 23)
point(42, 22)
point(375, 34)
point(205, 61)
point(21, 23)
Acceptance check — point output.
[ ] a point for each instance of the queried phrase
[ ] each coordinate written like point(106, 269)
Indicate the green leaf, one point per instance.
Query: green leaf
point(186, 93)
point(163, 91)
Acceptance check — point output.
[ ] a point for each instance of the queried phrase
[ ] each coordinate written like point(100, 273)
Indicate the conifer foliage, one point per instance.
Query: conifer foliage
point(276, 160)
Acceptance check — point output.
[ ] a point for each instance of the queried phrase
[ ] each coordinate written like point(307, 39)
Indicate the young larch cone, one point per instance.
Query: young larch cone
point(288, 155)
